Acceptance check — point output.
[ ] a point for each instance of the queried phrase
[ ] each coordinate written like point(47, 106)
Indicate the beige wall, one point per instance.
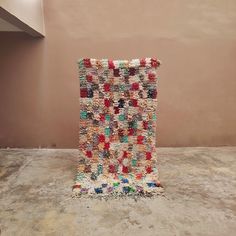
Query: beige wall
point(196, 41)
point(28, 11)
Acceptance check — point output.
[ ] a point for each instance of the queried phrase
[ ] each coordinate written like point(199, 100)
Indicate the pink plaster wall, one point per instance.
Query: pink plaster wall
point(196, 41)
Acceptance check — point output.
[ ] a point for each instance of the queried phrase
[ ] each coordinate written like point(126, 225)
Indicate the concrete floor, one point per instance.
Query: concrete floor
point(200, 196)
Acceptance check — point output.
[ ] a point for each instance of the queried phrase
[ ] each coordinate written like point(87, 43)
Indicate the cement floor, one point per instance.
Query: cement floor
point(200, 196)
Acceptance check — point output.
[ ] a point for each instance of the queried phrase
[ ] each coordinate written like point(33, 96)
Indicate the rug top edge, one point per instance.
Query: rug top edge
point(118, 63)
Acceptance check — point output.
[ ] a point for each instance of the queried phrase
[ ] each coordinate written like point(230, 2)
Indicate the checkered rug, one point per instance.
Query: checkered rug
point(118, 100)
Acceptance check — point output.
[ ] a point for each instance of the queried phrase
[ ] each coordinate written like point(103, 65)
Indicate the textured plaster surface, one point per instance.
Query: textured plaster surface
point(200, 196)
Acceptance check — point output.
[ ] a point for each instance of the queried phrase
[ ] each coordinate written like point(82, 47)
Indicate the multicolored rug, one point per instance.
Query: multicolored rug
point(118, 100)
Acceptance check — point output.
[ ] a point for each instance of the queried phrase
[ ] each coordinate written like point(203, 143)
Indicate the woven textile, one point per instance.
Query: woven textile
point(118, 102)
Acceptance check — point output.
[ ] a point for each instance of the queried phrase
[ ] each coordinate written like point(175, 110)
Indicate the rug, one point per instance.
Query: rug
point(118, 100)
